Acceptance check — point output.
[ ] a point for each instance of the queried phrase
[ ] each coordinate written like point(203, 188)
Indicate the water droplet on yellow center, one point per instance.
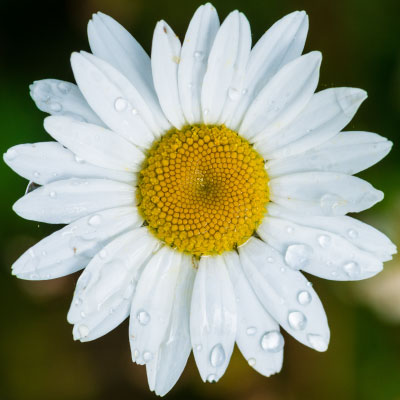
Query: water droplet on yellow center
point(203, 189)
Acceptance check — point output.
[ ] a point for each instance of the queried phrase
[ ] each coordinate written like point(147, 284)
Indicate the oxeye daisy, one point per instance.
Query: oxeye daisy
point(196, 185)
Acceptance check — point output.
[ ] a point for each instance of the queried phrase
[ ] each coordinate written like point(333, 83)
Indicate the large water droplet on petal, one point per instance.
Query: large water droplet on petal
point(94, 220)
point(250, 331)
point(352, 269)
point(147, 356)
point(304, 297)
point(143, 317)
point(329, 202)
point(324, 240)
point(120, 104)
point(353, 234)
point(317, 342)
point(272, 341)
point(298, 256)
point(217, 355)
point(297, 320)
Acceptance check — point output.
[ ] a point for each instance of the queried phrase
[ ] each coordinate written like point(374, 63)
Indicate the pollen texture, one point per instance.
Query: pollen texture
point(203, 189)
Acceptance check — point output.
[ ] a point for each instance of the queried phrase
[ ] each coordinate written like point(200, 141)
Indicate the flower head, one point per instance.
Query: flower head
point(195, 186)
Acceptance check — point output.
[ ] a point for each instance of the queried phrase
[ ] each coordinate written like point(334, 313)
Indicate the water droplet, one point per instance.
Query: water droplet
point(298, 256)
point(217, 355)
point(352, 269)
point(297, 320)
point(353, 234)
point(83, 331)
point(283, 269)
point(289, 229)
point(317, 342)
point(329, 202)
point(199, 347)
point(244, 91)
point(103, 253)
point(134, 111)
point(252, 362)
point(78, 301)
point(79, 160)
point(147, 356)
point(53, 194)
point(63, 88)
point(129, 291)
point(324, 240)
point(11, 154)
point(31, 252)
point(205, 111)
point(270, 259)
point(94, 220)
point(250, 331)
point(309, 284)
point(36, 174)
point(55, 107)
point(143, 317)
point(212, 378)
point(233, 94)
point(120, 104)
point(198, 55)
point(83, 315)
point(304, 297)
point(272, 341)
point(44, 253)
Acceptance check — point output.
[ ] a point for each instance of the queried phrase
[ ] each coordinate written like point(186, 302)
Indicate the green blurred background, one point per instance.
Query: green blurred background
point(359, 40)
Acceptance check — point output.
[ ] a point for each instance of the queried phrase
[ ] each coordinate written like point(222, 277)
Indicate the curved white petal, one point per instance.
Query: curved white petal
point(165, 58)
point(62, 202)
point(323, 193)
point(114, 99)
point(166, 367)
point(152, 304)
point(282, 43)
point(223, 81)
point(49, 161)
point(283, 98)
point(347, 152)
point(257, 336)
point(111, 42)
point(356, 232)
point(193, 62)
point(285, 293)
point(72, 247)
point(318, 252)
point(327, 113)
point(57, 97)
point(104, 291)
point(95, 144)
point(212, 318)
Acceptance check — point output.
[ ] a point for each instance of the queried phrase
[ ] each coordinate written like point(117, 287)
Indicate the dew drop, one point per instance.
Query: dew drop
point(198, 55)
point(103, 254)
point(317, 342)
point(63, 88)
point(289, 229)
point(205, 111)
point(283, 269)
point(352, 233)
point(36, 174)
point(53, 194)
point(120, 104)
point(324, 240)
point(352, 269)
point(217, 355)
point(83, 315)
point(147, 356)
point(79, 160)
point(297, 320)
point(272, 341)
point(251, 330)
point(233, 94)
point(199, 347)
point(212, 378)
point(83, 331)
point(129, 291)
point(329, 202)
point(270, 259)
point(304, 297)
point(134, 111)
point(252, 362)
point(244, 91)
point(298, 256)
point(143, 317)
point(11, 154)
point(95, 220)
point(55, 107)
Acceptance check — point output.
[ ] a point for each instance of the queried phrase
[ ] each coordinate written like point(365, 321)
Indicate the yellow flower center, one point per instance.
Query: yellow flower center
point(203, 189)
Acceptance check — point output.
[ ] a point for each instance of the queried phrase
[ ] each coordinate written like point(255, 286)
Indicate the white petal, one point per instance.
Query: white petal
point(327, 113)
point(285, 293)
point(49, 161)
point(257, 336)
point(104, 291)
point(153, 303)
point(113, 43)
point(165, 58)
point(360, 234)
point(95, 144)
point(282, 43)
point(318, 252)
point(193, 63)
point(72, 247)
point(62, 202)
point(283, 98)
point(212, 318)
point(165, 368)
point(223, 80)
point(57, 97)
point(323, 193)
point(347, 152)
point(114, 99)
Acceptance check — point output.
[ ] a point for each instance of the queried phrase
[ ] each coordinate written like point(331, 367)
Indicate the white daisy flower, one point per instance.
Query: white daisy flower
point(195, 186)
